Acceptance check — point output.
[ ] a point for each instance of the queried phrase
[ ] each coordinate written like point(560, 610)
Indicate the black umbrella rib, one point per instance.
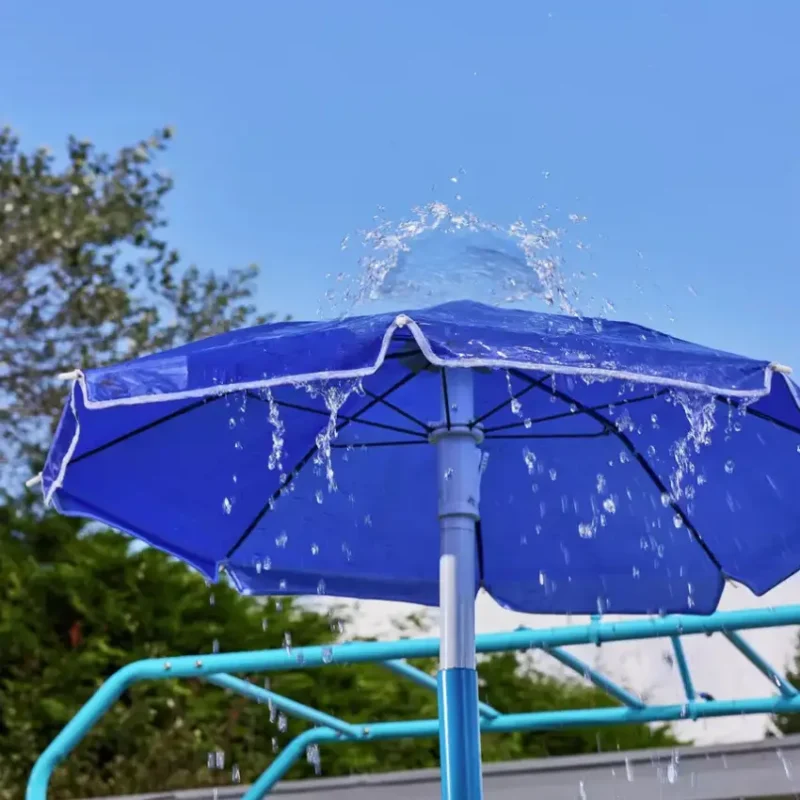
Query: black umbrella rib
point(508, 402)
point(344, 417)
point(359, 445)
point(511, 398)
point(410, 417)
point(523, 436)
point(307, 457)
point(446, 400)
point(758, 414)
point(149, 426)
point(643, 463)
point(577, 412)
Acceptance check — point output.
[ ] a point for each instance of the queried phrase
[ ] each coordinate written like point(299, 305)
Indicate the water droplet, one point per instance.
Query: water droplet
point(553, 474)
point(321, 587)
point(281, 539)
point(586, 530)
point(227, 505)
point(601, 483)
point(787, 768)
point(215, 646)
point(327, 655)
point(236, 776)
point(313, 758)
point(610, 505)
point(636, 572)
point(212, 599)
point(672, 768)
point(651, 450)
point(665, 499)
point(267, 563)
point(448, 473)
point(283, 722)
point(628, 770)
point(677, 521)
point(581, 791)
point(318, 496)
point(624, 458)
point(264, 623)
point(730, 465)
point(231, 423)
point(314, 549)
point(530, 460)
point(238, 446)
point(287, 642)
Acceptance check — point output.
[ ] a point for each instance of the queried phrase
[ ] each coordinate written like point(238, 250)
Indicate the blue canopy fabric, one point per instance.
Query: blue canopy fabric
point(625, 471)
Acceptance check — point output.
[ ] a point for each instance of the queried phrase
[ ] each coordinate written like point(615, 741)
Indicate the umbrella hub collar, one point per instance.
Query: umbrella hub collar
point(458, 455)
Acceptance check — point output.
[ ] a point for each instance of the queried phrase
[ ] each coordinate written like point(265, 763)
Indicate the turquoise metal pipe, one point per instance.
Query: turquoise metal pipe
point(421, 678)
point(286, 759)
point(785, 688)
point(299, 710)
point(683, 667)
point(542, 720)
point(359, 652)
point(598, 679)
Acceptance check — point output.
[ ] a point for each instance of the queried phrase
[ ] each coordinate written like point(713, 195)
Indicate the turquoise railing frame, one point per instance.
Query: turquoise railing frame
point(216, 668)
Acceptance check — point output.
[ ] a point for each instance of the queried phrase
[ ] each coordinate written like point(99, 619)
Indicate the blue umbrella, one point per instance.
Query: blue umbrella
point(564, 465)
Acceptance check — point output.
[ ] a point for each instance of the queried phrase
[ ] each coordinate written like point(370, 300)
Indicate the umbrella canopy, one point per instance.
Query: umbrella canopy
point(623, 470)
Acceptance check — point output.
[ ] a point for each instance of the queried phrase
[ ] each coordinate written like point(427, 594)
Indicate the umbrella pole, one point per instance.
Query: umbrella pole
point(458, 478)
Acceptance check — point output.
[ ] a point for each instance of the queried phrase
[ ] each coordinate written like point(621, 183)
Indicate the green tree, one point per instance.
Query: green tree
point(86, 276)
point(75, 607)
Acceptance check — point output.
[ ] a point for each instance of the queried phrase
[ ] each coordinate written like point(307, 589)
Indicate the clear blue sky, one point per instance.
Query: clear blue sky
point(673, 126)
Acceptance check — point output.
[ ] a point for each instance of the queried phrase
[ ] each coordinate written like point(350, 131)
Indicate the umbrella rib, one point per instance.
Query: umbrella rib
point(347, 418)
point(149, 426)
point(401, 412)
point(578, 412)
point(506, 403)
point(446, 400)
point(595, 435)
point(758, 414)
point(643, 463)
point(307, 457)
point(359, 445)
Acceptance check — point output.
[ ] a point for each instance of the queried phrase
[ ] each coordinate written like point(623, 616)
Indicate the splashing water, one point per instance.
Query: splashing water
point(278, 434)
point(699, 410)
point(440, 254)
point(334, 397)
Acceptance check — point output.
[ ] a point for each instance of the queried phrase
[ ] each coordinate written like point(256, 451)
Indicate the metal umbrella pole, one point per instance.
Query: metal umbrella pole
point(459, 484)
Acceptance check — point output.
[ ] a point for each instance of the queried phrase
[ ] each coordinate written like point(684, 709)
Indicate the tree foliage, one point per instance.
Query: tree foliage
point(75, 607)
point(87, 277)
